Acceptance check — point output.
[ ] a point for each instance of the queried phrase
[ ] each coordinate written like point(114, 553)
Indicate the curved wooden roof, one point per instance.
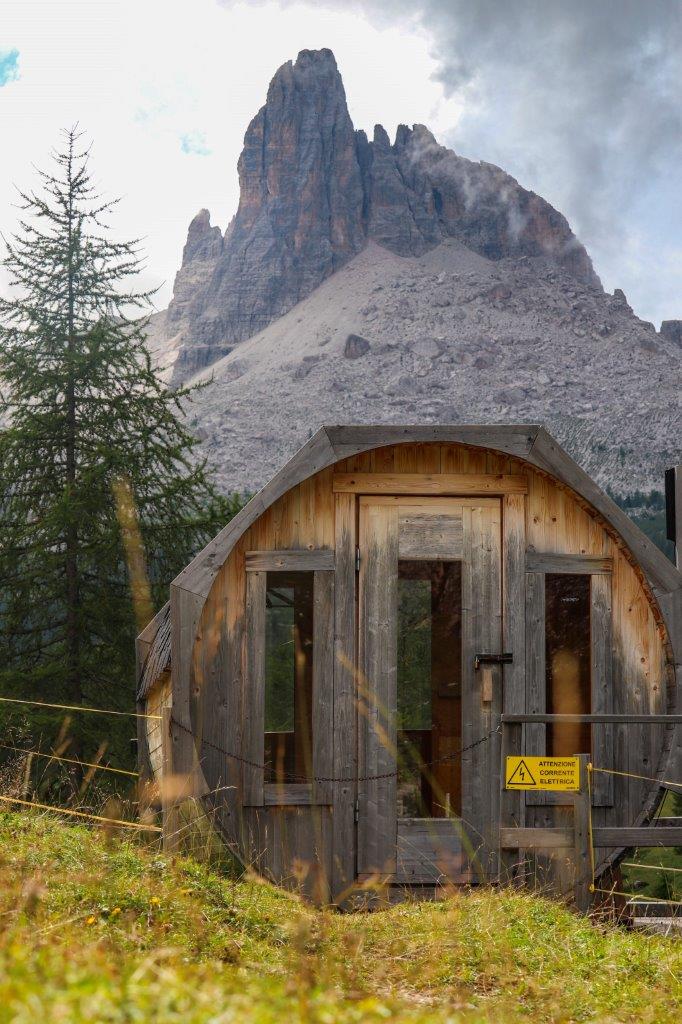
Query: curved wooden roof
point(529, 442)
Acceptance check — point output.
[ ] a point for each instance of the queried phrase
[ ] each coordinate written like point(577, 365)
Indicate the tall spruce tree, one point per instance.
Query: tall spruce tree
point(102, 496)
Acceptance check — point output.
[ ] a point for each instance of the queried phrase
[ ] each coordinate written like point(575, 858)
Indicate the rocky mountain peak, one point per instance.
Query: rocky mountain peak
point(203, 241)
point(314, 192)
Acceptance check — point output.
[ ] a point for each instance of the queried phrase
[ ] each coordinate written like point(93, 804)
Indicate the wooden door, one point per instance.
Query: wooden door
point(430, 601)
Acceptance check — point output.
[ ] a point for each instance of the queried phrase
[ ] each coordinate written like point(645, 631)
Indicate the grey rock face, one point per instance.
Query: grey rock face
point(355, 346)
point(672, 331)
point(612, 400)
point(313, 192)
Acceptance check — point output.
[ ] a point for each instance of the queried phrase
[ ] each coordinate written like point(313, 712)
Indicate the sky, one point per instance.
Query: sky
point(578, 100)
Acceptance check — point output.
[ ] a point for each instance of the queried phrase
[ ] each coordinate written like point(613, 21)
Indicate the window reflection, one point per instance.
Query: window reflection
point(568, 669)
point(429, 688)
point(288, 676)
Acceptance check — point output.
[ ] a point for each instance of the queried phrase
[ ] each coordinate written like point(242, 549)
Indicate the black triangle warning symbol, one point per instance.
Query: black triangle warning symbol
point(521, 776)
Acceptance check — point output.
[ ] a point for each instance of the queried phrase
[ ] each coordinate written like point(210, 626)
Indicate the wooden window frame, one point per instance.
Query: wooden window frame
point(599, 569)
point(256, 793)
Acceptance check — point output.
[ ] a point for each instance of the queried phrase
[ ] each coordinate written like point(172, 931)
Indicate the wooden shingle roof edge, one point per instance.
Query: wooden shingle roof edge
point(158, 658)
point(528, 442)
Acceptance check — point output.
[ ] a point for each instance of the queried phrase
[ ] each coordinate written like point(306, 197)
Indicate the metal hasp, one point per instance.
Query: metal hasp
point(493, 659)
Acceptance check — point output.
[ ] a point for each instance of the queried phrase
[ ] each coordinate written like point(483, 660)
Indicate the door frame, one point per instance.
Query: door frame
point(470, 532)
point(344, 827)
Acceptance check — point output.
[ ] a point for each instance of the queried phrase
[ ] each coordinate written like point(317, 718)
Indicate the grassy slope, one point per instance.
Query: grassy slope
point(94, 931)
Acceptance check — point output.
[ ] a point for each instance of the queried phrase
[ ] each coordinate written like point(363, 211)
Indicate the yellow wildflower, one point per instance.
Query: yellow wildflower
point(91, 920)
point(155, 901)
point(115, 911)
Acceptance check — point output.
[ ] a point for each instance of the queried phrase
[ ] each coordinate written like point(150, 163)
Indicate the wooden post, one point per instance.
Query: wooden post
point(582, 838)
point(170, 818)
point(511, 807)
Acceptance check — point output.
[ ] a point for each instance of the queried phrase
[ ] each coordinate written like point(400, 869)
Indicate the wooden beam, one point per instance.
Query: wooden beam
point(530, 838)
point(299, 794)
point(582, 838)
point(513, 804)
point(170, 818)
point(513, 439)
point(295, 560)
point(430, 483)
point(583, 565)
point(446, 505)
point(645, 835)
point(253, 742)
point(344, 738)
point(563, 838)
point(602, 719)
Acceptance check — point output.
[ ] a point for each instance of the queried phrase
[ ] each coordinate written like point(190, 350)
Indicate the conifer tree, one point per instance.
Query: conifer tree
point(99, 478)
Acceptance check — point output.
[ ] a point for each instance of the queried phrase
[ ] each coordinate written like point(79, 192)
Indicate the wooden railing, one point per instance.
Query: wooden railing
point(582, 838)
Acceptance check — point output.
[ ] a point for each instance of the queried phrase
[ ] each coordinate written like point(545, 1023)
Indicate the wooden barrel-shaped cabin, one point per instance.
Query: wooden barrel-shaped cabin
point(341, 654)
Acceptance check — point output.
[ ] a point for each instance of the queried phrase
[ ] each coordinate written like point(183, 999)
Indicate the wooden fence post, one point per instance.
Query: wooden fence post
point(170, 817)
point(512, 862)
point(582, 838)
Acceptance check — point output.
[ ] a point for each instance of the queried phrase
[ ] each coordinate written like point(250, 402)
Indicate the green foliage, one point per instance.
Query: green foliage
point(414, 654)
point(663, 884)
point(280, 669)
point(647, 510)
point(97, 929)
point(103, 496)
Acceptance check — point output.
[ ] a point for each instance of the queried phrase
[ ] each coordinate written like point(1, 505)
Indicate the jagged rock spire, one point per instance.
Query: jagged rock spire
point(313, 191)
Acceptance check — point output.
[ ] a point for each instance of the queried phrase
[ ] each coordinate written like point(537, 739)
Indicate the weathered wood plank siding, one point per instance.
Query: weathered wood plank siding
point(546, 527)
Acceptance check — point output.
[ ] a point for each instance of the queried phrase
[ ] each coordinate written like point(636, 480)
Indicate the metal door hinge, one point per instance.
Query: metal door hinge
point(356, 816)
point(357, 559)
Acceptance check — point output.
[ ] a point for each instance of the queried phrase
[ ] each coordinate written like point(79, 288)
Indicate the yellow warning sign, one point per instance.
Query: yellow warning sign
point(562, 773)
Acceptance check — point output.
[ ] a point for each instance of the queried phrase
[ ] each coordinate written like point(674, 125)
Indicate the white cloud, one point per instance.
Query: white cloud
point(166, 88)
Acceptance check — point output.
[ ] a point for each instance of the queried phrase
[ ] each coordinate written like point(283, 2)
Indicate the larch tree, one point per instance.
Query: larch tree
point(102, 495)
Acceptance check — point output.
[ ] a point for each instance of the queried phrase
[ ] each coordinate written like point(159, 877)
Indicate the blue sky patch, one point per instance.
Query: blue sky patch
point(195, 144)
point(9, 66)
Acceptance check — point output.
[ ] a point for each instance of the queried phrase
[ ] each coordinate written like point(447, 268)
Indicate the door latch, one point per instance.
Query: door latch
point(492, 659)
point(486, 661)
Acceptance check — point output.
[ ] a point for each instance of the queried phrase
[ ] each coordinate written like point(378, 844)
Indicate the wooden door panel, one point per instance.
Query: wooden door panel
point(481, 633)
point(423, 534)
point(377, 690)
point(431, 851)
point(421, 529)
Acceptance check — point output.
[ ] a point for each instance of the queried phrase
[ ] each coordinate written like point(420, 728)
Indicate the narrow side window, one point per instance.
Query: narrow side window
point(288, 711)
point(568, 661)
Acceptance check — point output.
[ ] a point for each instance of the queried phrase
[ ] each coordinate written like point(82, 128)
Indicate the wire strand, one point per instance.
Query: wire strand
point(69, 760)
point(292, 778)
point(636, 898)
point(646, 778)
point(82, 814)
point(77, 707)
point(649, 867)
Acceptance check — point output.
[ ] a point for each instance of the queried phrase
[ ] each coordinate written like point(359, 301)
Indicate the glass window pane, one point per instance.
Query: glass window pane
point(429, 656)
point(567, 652)
point(288, 676)
point(414, 653)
